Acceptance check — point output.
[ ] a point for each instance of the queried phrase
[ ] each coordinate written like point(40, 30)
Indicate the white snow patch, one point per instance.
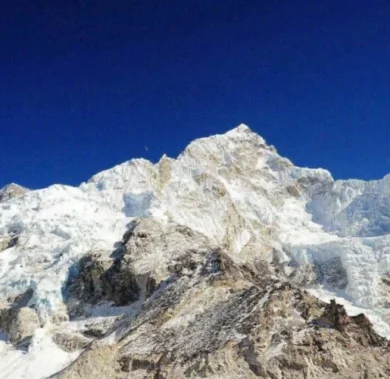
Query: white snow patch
point(43, 358)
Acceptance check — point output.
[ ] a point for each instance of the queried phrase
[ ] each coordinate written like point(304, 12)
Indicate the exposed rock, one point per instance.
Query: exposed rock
point(7, 242)
point(23, 299)
point(23, 325)
point(293, 191)
point(11, 191)
point(71, 342)
point(101, 278)
point(99, 363)
point(121, 278)
point(59, 317)
point(16, 322)
point(4, 316)
point(336, 316)
point(213, 318)
point(87, 285)
point(153, 247)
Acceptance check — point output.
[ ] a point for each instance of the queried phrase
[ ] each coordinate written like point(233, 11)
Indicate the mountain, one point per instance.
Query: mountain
point(217, 264)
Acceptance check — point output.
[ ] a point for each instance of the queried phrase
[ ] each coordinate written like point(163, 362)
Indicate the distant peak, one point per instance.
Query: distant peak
point(11, 190)
point(244, 131)
point(11, 186)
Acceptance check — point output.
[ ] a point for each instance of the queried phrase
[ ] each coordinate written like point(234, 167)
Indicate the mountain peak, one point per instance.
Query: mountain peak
point(243, 131)
point(243, 128)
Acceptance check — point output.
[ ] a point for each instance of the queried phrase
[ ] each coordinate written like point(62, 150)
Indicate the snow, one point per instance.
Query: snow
point(232, 188)
point(42, 359)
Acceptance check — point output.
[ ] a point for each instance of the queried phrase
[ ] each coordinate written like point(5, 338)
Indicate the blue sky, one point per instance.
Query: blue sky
point(89, 84)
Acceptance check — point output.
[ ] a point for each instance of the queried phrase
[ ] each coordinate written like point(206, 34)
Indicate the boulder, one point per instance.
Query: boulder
point(10, 308)
point(23, 325)
point(71, 342)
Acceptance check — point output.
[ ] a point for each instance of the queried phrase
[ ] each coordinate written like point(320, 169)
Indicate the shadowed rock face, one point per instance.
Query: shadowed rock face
point(147, 255)
point(211, 317)
point(101, 278)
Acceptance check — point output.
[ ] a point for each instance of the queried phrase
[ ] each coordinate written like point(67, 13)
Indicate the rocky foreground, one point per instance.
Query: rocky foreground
point(210, 318)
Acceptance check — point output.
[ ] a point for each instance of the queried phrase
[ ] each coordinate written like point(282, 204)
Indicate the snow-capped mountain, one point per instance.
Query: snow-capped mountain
point(231, 192)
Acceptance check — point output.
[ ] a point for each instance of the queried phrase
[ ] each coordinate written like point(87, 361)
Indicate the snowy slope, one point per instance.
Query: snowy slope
point(233, 188)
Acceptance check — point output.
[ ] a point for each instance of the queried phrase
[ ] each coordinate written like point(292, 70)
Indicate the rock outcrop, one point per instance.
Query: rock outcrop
point(11, 191)
point(7, 242)
point(213, 318)
point(101, 278)
point(71, 341)
point(23, 325)
point(18, 320)
point(220, 321)
point(126, 275)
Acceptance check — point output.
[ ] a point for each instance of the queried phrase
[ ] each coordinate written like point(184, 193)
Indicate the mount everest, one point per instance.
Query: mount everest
point(208, 265)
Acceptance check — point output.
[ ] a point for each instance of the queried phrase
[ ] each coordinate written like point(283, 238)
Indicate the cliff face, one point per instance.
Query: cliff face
point(200, 266)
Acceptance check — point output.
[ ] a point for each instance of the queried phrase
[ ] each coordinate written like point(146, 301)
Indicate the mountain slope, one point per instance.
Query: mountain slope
point(229, 193)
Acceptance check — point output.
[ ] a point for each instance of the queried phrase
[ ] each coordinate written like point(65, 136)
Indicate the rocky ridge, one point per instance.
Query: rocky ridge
point(213, 318)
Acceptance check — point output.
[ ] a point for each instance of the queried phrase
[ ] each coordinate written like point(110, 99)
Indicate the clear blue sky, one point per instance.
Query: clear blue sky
point(89, 84)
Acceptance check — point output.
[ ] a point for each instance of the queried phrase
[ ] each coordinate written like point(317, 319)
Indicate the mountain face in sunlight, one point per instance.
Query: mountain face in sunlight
point(218, 264)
